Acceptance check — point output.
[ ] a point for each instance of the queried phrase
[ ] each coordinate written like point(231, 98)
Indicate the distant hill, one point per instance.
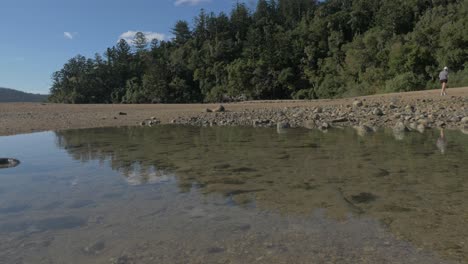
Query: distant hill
point(10, 95)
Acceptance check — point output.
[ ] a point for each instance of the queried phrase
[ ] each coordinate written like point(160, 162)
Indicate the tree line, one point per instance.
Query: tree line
point(282, 49)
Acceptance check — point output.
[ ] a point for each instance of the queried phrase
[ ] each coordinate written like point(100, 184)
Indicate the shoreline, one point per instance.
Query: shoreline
point(413, 110)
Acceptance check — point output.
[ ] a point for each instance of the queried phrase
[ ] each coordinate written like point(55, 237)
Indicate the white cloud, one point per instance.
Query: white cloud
point(189, 2)
point(130, 35)
point(69, 35)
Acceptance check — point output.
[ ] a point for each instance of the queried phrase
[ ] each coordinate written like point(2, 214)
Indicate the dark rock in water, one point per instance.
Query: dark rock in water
point(222, 166)
point(382, 173)
point(95, 248)
point(215, 250)
point(123, 260)
point(52, 205)
point(243, 169)
point(53, 223)
point(80, 204)
point(14, 208)
point(237, 192)
point(283, 125)
point(59, 223)
point(122, 113)
point(8, 163)
point(363, 198)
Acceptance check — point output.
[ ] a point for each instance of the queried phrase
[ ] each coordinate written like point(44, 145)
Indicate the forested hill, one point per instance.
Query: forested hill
point(282, 49)
point(10, 95)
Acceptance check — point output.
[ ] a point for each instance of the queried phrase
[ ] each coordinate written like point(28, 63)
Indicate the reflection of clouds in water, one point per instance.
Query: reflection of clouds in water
point(137, 175)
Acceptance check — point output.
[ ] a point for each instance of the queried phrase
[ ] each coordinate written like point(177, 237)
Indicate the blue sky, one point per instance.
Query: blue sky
point(38, 36)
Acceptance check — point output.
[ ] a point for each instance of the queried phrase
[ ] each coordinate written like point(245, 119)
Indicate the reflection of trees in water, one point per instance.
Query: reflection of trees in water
point(405, 184)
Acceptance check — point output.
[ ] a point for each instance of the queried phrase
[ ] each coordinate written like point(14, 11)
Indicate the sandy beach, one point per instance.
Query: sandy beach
point(17, 118)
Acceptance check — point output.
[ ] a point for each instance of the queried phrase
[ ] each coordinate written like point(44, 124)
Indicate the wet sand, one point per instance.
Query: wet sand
point(18, 118)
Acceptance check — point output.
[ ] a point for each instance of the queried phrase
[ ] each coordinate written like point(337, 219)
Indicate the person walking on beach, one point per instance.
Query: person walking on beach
point(443, 77)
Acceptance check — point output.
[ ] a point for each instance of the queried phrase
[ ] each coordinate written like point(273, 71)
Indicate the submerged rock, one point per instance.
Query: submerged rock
point(94, 248)
point(8, 163)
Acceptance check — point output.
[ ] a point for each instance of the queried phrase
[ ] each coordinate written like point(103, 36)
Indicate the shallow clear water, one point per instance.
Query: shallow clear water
point(234, 195)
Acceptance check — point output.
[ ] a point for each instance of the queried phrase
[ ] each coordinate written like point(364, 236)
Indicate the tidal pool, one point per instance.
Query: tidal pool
point(173, 194)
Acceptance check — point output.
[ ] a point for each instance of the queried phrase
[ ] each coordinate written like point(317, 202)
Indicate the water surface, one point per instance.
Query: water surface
point(234, 195)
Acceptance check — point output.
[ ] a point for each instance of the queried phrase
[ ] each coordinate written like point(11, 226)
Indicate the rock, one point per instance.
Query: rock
point(340, 120)
point(316, 117)
point(464, 120)
point(283, 125)
point(122, 113)
point(207, 110)
point(377, 112)
point(219, 109)
point(95, 248)
point(423, 121)
point(357, 103)
point(154, 122)
point(318, 110)
point(400, 127)
point(409, 108)
point(392, 106)
point(464, 130)
point(324, 126)
point(8, 163)
point(363, 130)
point(413, 126)
point(309, 124)
point(421, 128)
point(441, 124)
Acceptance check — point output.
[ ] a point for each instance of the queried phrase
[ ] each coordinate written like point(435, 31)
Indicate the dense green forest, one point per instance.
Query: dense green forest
point(302, 49)
point(9, 95)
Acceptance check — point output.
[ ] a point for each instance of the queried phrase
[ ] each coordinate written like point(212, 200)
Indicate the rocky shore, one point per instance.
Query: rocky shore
point(402, 111)
point(366, 115)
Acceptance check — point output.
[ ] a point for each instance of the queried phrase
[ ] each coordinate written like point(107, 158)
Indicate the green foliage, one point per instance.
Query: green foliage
point(302, 49)
point(405, 82)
